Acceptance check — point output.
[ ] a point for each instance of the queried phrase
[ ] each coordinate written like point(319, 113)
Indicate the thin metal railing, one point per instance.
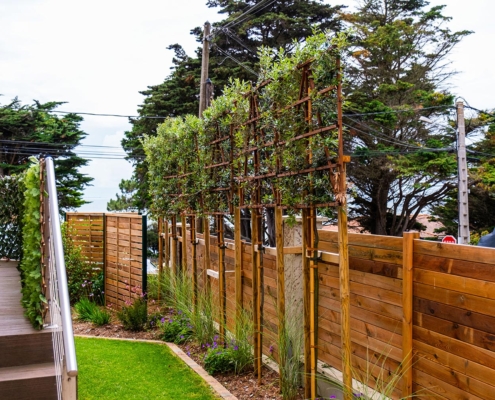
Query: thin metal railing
point(59, 303)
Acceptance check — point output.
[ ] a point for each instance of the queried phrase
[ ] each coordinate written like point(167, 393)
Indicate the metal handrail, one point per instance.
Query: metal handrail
point(58, 253)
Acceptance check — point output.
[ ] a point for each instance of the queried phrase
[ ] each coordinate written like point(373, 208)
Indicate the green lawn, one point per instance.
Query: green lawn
point(116, 369)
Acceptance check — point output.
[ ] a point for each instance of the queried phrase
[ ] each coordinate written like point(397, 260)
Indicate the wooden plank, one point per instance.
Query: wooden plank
point(461, 284)
point(373, 241)
point(456, 251)
point(457, 347)
point(454, 330)
point(460, 364)
point(454, 314)
point(468, 269)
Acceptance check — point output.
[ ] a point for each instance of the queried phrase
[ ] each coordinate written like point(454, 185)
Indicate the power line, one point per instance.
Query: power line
point(25, 142)
point(249, 69)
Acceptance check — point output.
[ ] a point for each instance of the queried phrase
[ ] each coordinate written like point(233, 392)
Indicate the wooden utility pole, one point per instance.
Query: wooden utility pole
point(204, 69)
point(462, 176)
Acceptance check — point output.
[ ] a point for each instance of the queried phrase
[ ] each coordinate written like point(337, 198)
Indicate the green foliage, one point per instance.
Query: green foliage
point(177, 329)
point(219, 360)
point(290, 349)
point(125, 200)
point(87, 310)
point(33, 299)
point(11, 209)
point(177, 292)
point(180, 156)
point(134, 314)
point(34, 129)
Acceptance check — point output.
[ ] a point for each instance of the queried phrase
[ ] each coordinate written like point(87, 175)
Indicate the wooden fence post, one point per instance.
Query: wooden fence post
point(221, 275)
point(206, 235)
point(184, 241)
point(238, 262)
point(160, 255)
point(194, 262)
point(256, 294)
point(173, 252)
point(166, 241)
point(144, 254)
point(407, 311)
point(279, 243)
point(306, 305)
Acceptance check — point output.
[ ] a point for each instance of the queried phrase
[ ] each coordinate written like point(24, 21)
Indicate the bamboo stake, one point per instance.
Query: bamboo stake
point(306, 305)
point(184, 241)
point(279, 240)
point(238, 262)
point(407, 311)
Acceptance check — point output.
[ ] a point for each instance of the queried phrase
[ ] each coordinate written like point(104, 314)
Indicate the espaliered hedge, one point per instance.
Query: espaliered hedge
point(195, 164)
point(33, 299)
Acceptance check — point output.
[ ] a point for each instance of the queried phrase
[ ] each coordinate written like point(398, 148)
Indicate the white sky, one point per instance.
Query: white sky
point(97, 56)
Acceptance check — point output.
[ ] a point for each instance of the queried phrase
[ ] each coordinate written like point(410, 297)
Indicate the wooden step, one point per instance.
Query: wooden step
point(25, 348)
point(28, 382)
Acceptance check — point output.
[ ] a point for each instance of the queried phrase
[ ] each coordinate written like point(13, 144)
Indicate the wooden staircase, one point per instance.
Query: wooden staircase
point(27, 369)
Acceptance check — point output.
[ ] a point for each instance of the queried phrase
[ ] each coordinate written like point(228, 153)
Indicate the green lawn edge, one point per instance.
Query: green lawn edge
point(127, 370)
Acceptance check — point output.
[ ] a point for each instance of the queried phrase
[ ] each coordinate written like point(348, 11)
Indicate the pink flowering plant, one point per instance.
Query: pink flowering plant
point(134, 313)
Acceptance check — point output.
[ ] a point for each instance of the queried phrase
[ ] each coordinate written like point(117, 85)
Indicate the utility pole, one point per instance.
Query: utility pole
point(204, 69)
point(462, 176)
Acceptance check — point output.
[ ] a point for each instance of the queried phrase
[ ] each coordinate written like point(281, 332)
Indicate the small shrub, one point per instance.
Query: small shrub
point(219, 360)
point(134, 315)
point(176, 329)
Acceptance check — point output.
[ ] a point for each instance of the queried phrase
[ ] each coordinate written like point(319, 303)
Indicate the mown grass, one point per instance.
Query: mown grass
point(125, 370)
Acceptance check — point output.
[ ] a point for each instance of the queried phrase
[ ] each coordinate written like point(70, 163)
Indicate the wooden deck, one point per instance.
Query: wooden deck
point(12, 319)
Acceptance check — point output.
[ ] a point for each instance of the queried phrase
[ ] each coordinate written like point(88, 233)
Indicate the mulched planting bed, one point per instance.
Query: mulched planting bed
point(243, 386)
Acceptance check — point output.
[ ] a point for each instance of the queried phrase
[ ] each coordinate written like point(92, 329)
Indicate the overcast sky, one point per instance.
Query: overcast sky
point(98, 55)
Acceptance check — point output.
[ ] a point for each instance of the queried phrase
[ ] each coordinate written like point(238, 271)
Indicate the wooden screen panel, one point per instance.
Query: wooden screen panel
point(454, 320)
point(87, 232)
point(123, 258)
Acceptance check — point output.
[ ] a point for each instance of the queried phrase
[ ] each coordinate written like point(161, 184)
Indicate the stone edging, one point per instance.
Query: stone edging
point(212, 382)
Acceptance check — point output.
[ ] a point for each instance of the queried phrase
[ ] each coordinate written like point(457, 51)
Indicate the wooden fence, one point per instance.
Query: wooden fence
point(422, 313)
point(117, 242)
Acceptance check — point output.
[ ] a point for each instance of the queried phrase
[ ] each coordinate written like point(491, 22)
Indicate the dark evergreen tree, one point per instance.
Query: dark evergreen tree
point(27, 130)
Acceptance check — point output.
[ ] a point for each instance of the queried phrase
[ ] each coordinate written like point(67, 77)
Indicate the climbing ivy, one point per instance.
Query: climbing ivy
point(32, 296)
point(11, 208)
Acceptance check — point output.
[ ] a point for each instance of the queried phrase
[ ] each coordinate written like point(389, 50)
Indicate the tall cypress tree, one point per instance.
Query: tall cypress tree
point(395, 72)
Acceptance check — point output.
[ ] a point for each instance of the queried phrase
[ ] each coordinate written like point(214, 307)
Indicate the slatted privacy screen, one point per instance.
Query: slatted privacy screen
point(125, 257)
point(87, 230)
